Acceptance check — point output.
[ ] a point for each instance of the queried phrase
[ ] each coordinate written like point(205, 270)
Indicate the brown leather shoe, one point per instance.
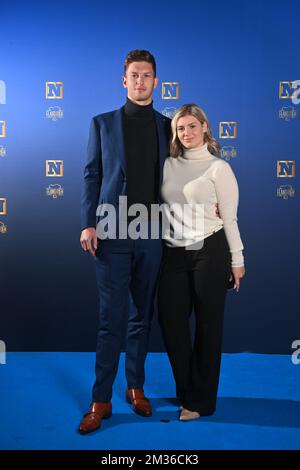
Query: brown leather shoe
point(140, 404)
point(92, 419)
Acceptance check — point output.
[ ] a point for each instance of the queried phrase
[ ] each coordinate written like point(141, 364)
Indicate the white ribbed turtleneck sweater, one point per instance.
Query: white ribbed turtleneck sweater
point(201, 180)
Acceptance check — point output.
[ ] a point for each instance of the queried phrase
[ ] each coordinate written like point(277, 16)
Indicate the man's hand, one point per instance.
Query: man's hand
point(88, 240)
point(237, 273)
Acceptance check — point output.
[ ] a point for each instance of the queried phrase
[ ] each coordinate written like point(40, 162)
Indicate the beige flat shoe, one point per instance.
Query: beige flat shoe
point(187, 415)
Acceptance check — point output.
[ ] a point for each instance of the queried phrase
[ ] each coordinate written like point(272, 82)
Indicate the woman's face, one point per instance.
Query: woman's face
point(190, 131)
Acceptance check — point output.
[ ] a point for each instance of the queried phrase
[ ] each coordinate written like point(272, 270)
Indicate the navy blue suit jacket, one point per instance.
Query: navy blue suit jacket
point(105, 170)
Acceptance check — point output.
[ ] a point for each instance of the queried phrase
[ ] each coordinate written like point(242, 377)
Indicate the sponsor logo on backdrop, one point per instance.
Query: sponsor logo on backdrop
point(290, 90)
point(55, 168)
point(2, 128)
point(286, 90)
point(169, 112)
point(2, 151)
point(2, 92)
point(2, 352)
point(54, 113)
point(286, 168)
point(54, 90)
point(3, 206)
point(55, 191)
point(287, 113)
point(170, 90)
point(228, 129)
point(3, 227)
point(285, 191)
point(228, 152)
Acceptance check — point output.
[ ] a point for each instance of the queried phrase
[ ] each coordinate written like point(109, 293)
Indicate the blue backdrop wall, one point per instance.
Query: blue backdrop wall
point(234, 58)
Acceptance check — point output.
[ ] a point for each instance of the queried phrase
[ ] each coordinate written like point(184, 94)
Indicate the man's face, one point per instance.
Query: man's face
point(140, 82)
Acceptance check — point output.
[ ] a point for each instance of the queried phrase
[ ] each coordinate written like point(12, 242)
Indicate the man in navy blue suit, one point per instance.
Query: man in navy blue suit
point(126, 153)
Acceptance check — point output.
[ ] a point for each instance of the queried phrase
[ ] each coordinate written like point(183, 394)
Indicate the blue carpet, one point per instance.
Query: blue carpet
point(43, 397)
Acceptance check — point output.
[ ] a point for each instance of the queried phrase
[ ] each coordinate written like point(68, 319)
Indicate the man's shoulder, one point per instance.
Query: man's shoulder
point(161, 116)
point(107, 115)
point(165, 122)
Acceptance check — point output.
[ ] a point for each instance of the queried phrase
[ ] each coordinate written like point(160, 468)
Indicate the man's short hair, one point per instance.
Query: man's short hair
point(139, 55)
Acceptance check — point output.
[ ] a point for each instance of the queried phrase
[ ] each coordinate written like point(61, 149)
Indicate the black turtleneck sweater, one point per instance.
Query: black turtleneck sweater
point(141, 150)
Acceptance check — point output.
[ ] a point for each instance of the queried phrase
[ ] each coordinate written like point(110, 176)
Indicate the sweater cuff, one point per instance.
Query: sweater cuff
point(237, 259)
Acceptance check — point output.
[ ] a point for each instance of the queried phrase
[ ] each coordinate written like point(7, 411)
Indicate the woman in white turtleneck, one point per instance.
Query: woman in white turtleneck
point(203, 252)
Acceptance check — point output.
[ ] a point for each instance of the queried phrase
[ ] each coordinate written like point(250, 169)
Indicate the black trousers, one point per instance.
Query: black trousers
point(195, 280)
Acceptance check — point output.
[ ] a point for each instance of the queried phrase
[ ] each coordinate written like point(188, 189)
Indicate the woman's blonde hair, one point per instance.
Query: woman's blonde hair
point(176, 147)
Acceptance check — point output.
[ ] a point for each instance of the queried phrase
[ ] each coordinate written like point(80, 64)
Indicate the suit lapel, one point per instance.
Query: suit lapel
point(162, 141)
point(118, 138)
